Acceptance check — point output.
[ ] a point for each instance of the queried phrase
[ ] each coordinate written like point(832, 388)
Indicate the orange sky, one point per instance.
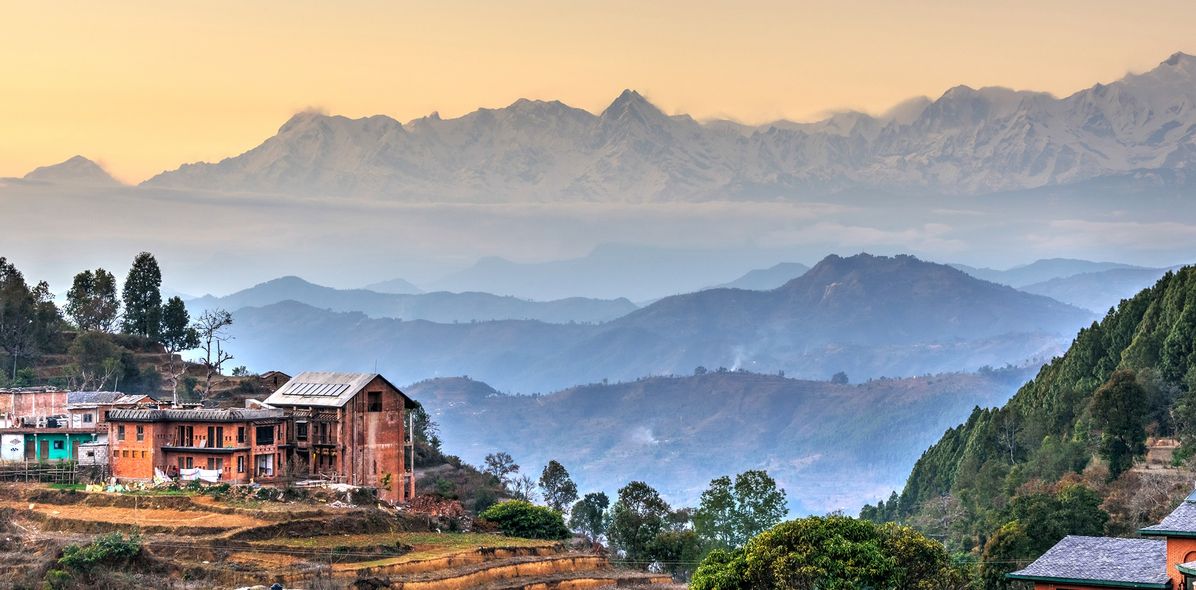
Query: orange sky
point(145, 86)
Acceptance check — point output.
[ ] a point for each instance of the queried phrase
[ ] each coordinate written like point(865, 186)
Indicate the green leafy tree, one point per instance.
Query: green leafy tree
point(142, 296)
point(29, 320)
point(176, 335)
point(559, 490)
point(1119, 408)
point(637, 517)
point(91, 301)
point(830, 553)
point(589, 516)
point(518, 518)
point(731, 513)
point(677, 551)
point(96, 361)
point(501, 466)
point(1034, 523)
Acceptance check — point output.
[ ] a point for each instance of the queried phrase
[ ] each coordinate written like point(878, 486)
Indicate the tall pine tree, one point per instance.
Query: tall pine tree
point(143, 297)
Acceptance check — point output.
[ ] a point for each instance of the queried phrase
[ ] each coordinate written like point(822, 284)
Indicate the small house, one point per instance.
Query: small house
point(1166, 559)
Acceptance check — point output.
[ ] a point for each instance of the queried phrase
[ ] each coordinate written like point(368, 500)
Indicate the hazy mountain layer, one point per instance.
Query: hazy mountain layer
point(967, 141)
point(437, 307)
point(766, 279)
point(830, 446)
point(1041, 271)
point(869, 316)
point(1098, 291)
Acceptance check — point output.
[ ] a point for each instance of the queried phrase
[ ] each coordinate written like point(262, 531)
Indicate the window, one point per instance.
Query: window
point(374, 401)
point(88, 418)
point(301, 430)
point(59, 445)
point(115, 454)
point(105, 415)
point(91, 454)
point(240, 464)
point(264, 435)
point(186, 435)
point(124, 454)
point(240, 434)
point(120, 432)
point(142, 454)
point(140, 432)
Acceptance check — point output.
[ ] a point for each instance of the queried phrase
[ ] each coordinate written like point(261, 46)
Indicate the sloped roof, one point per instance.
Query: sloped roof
point(1101, 561)
point(1180, 523)
point(93, 397)
point(195, 415)
point(326, 389)
point(103, 397)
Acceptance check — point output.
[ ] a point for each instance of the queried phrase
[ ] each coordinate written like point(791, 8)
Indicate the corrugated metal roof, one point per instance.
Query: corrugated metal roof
point(1101, 559)
point(326, 389)
point(197, 415)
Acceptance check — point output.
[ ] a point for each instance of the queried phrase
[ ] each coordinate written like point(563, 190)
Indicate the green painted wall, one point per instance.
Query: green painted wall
point(63, 442)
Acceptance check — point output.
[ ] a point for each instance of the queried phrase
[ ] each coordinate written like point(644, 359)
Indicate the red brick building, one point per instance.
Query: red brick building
point(1167, 561)
point(351, 427)
point(229, 445)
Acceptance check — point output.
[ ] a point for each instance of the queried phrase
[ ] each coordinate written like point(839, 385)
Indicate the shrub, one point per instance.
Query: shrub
point(83, 562)
point(517, 518)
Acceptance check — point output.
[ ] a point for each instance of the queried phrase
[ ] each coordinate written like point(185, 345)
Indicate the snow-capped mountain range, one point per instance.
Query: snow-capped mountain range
point(967, 141)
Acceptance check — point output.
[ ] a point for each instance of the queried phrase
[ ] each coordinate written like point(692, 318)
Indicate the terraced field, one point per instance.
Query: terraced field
point(211, 544)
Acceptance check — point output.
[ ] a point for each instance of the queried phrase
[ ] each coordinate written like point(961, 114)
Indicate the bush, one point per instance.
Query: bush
point(83, 562)
point(517, 518)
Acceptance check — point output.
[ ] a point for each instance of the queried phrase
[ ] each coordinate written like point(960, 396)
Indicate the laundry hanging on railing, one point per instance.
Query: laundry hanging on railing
point(208, 475)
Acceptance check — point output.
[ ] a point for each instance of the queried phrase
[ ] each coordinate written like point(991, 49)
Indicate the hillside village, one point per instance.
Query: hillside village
point(336, 479)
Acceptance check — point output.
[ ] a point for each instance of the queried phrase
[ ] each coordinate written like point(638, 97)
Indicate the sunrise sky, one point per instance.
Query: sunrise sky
point(144, 86)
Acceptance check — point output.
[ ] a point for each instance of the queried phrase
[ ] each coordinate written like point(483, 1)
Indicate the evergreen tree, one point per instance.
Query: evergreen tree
point(1119, 408)
point(91, 301)
point(559, 489)
point(142, 296)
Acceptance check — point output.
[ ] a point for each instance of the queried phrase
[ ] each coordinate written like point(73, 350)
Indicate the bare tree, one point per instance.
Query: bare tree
point(212, 329)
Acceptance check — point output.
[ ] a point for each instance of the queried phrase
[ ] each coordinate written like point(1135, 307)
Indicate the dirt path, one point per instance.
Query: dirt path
point(139, 516)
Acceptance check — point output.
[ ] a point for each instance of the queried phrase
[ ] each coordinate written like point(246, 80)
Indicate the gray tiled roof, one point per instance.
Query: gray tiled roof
point(1102, 559)
point(324, 388)
point(197, 415)
point(1181, 520)
point(93, 397)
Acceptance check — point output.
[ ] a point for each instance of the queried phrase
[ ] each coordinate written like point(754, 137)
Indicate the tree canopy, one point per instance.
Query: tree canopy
point(830, 553)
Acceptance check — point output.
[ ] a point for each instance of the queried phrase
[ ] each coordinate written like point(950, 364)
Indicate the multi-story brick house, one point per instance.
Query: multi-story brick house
point(1164, 560)
point(351, 427)
point(227, 445)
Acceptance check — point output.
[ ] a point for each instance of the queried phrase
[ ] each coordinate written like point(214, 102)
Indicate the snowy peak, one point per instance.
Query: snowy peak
point(76, 170)
point(967, 141)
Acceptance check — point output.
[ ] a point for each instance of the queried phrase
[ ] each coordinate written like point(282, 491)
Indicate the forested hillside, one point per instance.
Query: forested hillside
point(1072, 438)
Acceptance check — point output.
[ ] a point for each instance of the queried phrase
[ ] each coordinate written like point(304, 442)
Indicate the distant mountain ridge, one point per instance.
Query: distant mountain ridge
point(831, 446)
point(1099, 291)
point(869, 316)
point(967, 141)
point(1042, 270)
point(766, 279)
point(437, 307)
point(76, 170)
